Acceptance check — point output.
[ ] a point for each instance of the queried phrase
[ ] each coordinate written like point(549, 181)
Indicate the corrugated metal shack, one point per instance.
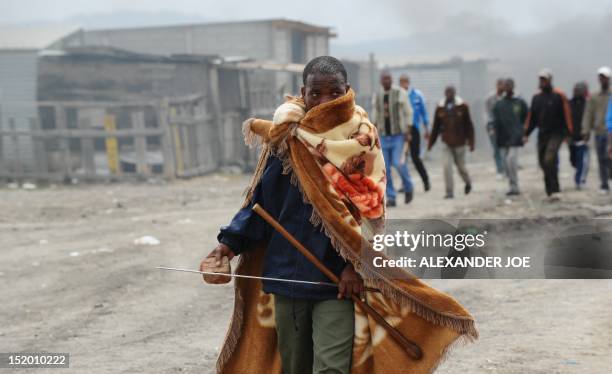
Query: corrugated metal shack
point(100, 111)
point(120, 113)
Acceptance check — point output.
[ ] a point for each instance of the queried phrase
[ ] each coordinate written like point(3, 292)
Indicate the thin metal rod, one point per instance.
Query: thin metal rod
point(249, 277)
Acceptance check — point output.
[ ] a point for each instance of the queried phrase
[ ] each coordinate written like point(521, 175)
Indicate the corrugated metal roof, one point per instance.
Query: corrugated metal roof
point(278, 22)
point(26, 37)
point(270, 66)
point(109, 53)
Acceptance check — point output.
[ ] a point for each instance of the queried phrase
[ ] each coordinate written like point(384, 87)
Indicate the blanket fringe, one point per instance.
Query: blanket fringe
point(234, 332)
point(460, 341)
point(251, 139)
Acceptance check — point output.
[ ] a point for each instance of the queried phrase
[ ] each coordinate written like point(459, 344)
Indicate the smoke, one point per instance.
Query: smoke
point(573, 47)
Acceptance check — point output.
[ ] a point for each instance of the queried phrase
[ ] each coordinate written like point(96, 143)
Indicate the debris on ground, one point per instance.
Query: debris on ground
point(147, 240)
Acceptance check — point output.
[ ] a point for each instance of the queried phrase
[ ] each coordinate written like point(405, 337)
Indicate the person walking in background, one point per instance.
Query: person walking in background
point(550, 113)
point(490, 102)
point(595, 120)
point(392, 116)
point(453, 122)
point(417, 102)
point(509, 115)
point(578, 146)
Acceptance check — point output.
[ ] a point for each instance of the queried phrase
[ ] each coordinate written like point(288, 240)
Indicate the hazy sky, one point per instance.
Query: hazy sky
point(354, 21)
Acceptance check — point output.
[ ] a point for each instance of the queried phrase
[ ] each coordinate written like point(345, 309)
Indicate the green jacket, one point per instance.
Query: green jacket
point(595, 114)
point(509, 115)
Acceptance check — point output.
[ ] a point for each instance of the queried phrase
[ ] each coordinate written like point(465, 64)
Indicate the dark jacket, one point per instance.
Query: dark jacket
point(453, 121)
point(509, 115)
point(577, 106)
point(284, 202)
point(550, 112)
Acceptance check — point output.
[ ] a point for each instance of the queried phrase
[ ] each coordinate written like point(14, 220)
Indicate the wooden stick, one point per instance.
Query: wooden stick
point(412, 348)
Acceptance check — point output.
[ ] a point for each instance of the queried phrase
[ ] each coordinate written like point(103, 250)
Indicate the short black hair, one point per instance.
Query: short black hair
point(325, 65)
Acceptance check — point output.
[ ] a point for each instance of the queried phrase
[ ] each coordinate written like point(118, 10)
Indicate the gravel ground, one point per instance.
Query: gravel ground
point(75, 281)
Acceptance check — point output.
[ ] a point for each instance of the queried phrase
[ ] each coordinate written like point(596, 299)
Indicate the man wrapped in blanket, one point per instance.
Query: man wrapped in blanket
point(321, 175)
point(314, 323)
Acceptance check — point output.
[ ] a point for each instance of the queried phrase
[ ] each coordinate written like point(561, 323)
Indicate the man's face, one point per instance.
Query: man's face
point(404, 83)
point(604, 82)
point(509, 87)
point(320, 89)
point(449, 93)
point(386, 81)
point(544, 83)
point(580, 90)
point(500, 86)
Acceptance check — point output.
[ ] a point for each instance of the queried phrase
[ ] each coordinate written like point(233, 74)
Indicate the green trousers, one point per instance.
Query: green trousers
point(314, 336)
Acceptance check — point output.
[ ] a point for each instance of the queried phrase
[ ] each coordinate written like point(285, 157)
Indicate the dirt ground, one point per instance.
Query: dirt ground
point(74, 280)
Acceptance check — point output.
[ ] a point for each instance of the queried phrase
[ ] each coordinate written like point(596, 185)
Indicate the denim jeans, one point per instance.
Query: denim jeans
point(392, 147)
point(580, 161)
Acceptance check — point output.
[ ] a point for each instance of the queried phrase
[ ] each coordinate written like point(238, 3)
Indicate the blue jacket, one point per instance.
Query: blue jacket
point(284, 202)
point(417, 100)
point(609, 116)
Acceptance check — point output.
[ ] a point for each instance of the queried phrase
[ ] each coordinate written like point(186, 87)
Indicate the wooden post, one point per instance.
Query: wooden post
point(178, 144)
point(166, 139)
point(64, 145)
point(187, 139)
point(140, 143)
point(219, 145)
point(112, 146)
point(17, 165)
point(40, 149)
point(202, 142)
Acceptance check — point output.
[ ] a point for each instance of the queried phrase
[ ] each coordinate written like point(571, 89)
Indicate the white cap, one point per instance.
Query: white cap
point(545, 73)
point(605, 71)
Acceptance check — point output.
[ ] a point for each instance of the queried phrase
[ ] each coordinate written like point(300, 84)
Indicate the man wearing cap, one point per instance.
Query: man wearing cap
point(595, 121)
point(550, 113)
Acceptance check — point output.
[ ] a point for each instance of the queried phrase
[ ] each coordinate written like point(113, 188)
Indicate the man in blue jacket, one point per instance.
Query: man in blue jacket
point(609, 124)
point(419, 116)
